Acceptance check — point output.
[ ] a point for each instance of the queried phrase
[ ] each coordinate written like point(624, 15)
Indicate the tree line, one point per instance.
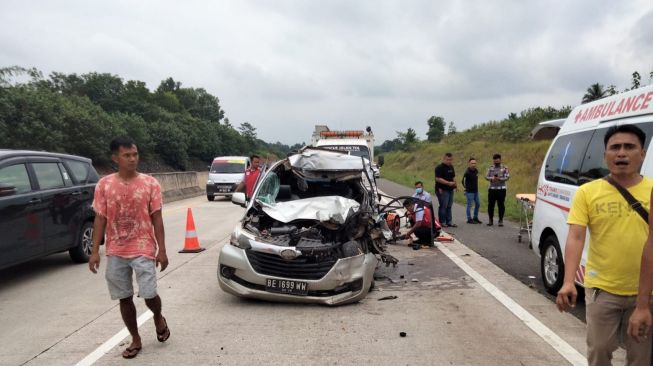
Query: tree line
point(514, 128)
point(597, 91)
point(80, 114)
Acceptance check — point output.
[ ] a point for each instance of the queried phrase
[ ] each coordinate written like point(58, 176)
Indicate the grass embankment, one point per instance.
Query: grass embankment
point(523, 160)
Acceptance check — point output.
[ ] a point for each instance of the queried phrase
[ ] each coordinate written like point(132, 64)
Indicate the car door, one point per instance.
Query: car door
point(61, 221)
point(21, 216)
point(84, 179)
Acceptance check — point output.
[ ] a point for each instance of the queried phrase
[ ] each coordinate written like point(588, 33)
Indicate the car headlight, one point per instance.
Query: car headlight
point(239, 241)
point(209, 182)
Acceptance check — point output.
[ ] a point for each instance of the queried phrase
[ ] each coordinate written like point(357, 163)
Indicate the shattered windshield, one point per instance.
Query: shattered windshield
point(269, 189)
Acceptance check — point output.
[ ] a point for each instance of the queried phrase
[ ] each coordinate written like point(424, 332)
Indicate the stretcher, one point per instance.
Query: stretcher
point(527, 204)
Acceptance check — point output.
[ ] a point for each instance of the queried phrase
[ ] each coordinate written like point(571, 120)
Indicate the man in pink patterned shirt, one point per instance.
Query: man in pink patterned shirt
point(128, 210)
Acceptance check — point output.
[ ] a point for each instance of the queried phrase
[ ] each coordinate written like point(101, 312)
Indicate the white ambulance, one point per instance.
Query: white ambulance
point(575, 157)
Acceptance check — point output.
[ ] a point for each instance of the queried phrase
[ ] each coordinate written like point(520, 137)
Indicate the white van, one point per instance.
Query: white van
point(575, 157)
point(225, 173)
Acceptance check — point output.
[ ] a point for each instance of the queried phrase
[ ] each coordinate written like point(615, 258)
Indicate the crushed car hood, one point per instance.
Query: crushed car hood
point(328, 208)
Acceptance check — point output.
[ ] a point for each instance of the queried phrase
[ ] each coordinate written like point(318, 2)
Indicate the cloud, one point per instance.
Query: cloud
point(286, 65)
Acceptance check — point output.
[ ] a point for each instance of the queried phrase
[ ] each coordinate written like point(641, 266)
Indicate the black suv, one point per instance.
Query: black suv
point(45, 205)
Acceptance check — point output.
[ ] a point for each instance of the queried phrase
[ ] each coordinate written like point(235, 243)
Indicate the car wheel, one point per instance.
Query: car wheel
point(396, 226)
point(552, 266)
point(82, 251)
point(210, 198)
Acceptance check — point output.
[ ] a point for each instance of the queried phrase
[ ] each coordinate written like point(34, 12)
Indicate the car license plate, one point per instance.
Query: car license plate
point(286, 287)
point(222, 190)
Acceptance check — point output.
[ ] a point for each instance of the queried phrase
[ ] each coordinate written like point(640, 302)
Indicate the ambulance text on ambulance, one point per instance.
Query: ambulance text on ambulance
point(620, 107)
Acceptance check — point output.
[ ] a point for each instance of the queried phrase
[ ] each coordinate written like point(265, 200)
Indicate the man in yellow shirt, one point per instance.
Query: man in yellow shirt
point(617, 236)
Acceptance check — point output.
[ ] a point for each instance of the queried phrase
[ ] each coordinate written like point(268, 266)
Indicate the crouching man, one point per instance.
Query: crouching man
point(421, 224)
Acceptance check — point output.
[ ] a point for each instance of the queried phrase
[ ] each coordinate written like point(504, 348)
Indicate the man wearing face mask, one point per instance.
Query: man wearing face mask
point(423, 196)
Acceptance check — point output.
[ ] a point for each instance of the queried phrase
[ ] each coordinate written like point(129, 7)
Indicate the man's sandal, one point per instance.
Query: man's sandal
point(131, 352)
point(163, 335)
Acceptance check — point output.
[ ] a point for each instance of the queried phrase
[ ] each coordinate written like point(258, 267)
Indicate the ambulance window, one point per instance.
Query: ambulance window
point(594, 166)
point(647, 127)
point(565, 158)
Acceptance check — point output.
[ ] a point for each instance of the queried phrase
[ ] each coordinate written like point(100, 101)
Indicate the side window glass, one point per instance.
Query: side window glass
point(647, 127)
point(17, 176)
point(68, 181)
point(48, 175)
point(79, 170)
point(594, 166)
point(93, 177)
point(565, 158)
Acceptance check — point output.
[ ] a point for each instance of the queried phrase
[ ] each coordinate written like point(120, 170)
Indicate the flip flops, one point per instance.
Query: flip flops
point(163, 335)
point(131, 352)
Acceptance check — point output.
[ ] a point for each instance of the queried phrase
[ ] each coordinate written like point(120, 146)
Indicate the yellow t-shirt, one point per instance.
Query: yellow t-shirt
point(617, 234)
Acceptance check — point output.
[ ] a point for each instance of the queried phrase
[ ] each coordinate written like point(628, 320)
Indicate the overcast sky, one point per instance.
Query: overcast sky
point(284, 66)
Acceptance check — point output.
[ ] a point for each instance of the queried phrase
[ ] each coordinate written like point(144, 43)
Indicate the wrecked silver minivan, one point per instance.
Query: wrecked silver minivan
point(312, 232)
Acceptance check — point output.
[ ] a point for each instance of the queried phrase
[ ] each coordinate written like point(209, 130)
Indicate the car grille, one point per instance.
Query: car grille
point(303, 267)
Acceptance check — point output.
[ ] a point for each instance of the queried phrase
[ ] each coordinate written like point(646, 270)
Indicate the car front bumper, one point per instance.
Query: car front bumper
point(349, 279)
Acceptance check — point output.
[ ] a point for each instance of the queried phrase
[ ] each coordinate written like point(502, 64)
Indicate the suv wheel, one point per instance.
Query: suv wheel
point(82, 251)
point(552, 266)
point(210, 198)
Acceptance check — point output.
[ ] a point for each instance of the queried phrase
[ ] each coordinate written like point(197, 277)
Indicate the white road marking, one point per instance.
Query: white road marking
point(112, 342)
point(567, 351)
point(563, 348)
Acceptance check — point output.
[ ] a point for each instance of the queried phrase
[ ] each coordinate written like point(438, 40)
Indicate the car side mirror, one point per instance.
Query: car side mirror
point(238, 198)
point(381, 160)
point(7, 189)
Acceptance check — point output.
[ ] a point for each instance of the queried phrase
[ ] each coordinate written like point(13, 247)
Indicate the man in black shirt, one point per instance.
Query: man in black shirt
point(444, 189)
point(470, 183)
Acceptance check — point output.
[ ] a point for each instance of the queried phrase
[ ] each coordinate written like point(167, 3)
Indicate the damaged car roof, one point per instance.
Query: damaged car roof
point(312, 159)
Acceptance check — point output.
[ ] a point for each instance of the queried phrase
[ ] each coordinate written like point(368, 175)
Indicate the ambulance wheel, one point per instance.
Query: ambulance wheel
point(551, 264)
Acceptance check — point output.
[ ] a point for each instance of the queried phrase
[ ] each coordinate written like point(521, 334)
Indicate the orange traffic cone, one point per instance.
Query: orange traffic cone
point(191, 244)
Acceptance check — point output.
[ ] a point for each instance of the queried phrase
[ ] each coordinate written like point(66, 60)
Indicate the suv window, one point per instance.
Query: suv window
point(79, 170)
point(17, 176)
point(48, 175)
point(66, 177)
point(565, 158)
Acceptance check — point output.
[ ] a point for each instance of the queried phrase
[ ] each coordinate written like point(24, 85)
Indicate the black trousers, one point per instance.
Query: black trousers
point(423, 235)
point(497, 196)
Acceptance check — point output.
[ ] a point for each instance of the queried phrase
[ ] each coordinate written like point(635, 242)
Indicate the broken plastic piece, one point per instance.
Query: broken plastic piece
point(391, 297)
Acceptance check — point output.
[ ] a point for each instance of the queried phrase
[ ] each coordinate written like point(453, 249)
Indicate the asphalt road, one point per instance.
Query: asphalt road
point(456, 307)
point(499, 245)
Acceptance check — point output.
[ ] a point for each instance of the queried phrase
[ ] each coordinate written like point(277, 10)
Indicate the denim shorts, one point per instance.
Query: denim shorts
point(119, 277)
